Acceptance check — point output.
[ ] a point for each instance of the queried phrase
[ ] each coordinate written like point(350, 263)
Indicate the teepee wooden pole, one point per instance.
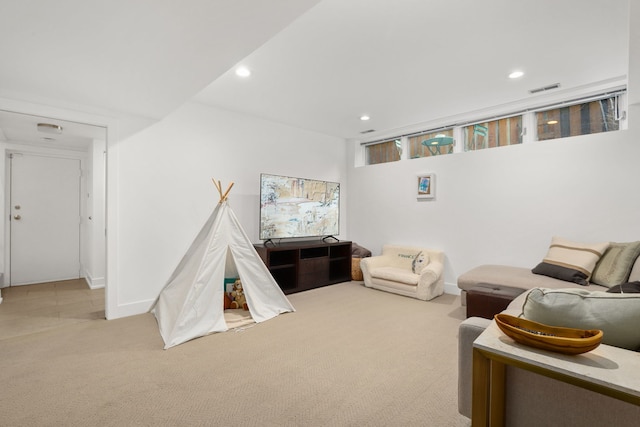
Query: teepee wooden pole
point(226, 193)
point(218, 185)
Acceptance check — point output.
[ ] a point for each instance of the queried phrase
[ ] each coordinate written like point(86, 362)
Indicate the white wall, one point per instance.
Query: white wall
point(502, 205)
point(158, 193)
point(165, 193)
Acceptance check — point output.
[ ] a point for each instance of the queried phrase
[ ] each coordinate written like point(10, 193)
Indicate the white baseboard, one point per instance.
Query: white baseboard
point(451, 288)
point(94, 282)
point(131, 309)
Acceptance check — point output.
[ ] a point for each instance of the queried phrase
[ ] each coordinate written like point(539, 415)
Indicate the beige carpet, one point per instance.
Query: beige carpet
point(349, 356)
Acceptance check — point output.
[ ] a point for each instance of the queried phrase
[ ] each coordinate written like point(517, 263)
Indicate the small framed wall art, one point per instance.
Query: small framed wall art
point(426, 186)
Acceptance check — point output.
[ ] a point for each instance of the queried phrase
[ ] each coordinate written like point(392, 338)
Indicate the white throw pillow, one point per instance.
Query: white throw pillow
point(399, 256)
point(616, 315)
point(420, 262)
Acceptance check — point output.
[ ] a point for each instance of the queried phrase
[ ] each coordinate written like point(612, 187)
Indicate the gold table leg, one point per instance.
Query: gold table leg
point(496, 397)
point(487, 403)
point(480, 390)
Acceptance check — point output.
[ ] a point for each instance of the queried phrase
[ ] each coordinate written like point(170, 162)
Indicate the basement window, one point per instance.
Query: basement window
point(491, 134)
point(596, 113)
point(431, 144)
point(579, 119)
point(384, 152)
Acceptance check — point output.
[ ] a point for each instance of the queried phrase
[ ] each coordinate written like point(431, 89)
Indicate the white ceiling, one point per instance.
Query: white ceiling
point(23, 129)
point(407, 62)
point(140, 58)
point(403, 62)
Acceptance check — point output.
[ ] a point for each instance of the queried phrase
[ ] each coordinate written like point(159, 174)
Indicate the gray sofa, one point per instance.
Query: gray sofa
point(531, 399)
point(534, 400)
point(519, 277)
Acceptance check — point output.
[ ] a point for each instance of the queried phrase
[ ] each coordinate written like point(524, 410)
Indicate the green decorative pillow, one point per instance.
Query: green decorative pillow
point(571, 261)
point(616, 315)
point(615, 265)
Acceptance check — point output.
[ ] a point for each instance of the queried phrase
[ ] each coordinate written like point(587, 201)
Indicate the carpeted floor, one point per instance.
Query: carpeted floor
point(348, 356)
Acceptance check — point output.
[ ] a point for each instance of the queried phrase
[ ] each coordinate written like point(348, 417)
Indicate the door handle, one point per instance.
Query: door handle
point(17, 217)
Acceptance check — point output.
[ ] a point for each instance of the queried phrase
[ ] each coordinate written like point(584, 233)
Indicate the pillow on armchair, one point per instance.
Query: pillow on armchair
point(420, 262)
point(401, 257)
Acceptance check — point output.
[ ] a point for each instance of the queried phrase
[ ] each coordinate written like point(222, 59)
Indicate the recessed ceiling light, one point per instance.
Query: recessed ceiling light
point(364, 118)
point(243, 72)
point(552, 122)
point(516, 74)
point(49, 128)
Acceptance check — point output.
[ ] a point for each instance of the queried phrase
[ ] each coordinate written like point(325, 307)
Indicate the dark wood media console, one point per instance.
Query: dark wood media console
point(299, 266)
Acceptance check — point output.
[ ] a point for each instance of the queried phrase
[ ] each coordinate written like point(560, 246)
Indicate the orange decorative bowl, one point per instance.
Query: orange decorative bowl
point(552, 338)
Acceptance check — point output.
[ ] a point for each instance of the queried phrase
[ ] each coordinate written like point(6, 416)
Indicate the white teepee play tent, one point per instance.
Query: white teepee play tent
point(191, 304)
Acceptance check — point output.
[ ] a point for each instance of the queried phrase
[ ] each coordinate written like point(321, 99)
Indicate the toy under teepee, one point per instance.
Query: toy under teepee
point(191, 303)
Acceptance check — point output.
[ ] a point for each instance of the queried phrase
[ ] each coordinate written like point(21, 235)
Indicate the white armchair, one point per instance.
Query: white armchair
point(410, 271)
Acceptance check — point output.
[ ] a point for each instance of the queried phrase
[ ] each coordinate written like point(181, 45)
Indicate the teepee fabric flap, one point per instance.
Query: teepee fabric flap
point(264, 297)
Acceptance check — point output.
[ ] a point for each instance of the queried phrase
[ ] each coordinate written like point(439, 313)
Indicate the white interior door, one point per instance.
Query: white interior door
point(45, 219)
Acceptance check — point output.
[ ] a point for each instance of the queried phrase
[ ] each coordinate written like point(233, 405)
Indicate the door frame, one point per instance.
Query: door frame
point(15, 149)
point(113, 127)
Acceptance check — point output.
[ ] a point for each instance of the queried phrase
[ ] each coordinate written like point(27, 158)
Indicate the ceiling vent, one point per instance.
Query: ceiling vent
point(545, 88)
point(368, 131)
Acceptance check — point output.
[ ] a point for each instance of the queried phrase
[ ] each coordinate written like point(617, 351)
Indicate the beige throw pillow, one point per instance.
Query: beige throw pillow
point(571, 261)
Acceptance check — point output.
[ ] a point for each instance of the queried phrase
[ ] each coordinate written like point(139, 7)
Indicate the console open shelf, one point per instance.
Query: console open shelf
point(299, 266)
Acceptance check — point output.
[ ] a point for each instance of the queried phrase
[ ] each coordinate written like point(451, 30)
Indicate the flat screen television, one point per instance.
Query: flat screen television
point(298, 207)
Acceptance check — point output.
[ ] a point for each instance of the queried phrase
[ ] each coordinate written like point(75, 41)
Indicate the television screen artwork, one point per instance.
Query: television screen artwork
point(298, 207)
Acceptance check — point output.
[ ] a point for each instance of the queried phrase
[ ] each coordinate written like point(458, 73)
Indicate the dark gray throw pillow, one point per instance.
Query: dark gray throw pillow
point(358, 251)
point(561, 273)
point(625, 288)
